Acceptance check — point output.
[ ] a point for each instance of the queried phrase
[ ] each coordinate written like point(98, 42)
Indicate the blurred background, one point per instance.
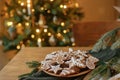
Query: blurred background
point(43, 23)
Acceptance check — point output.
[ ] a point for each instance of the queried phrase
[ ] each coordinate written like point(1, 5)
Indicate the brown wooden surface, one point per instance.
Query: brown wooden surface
point(17, 65)
point(87, 33)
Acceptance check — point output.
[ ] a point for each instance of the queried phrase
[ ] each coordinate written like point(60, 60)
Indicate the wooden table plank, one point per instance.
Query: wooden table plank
point(17, 65)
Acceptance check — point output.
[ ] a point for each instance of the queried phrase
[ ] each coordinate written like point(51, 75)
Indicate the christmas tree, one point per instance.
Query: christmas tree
point(40, 23)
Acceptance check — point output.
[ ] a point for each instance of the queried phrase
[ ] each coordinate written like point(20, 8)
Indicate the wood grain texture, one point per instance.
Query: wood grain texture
point(87, 33)
point(17, 65)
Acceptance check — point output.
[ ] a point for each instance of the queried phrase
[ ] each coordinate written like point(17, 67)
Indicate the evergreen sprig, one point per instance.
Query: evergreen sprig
point(33, 64)
point(108, 39)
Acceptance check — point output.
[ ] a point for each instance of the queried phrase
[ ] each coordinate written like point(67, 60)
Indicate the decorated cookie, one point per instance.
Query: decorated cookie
point(67, 63)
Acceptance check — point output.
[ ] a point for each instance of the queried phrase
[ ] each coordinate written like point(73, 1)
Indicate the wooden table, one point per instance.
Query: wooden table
point(17, 65)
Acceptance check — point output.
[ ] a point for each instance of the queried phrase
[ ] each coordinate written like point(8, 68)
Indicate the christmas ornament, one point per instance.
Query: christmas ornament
point(19, 28)
point(26, 17)
point(24, 10)
point(19, 12)
point(42, 20)
point(55, 19)
point(39, 42)
point(72, 39)
point(52, 41)
point(12, 32)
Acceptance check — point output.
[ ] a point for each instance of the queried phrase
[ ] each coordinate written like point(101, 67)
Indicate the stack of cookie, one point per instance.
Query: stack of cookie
point(67, 63)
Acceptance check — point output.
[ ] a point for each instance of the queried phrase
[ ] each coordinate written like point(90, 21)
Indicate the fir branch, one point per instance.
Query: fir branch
point(105, 40)
point(33, 64)
point(116, 44)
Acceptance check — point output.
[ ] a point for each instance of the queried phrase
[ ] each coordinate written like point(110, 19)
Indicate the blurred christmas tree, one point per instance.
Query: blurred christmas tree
point(40, 23)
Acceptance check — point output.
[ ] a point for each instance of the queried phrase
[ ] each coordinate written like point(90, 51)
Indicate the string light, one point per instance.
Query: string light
point(27, 24)
point(59, 35)
point(64, 31)
point(42, 8)
point(9, 23)
point(61, 6)
point(51, 0)
point(18, 47)
point(24, 10)
point(37, 30)
point(28, 1)
point(32, 36)
point(19, 24)
point(65, 6)
point(62, 24)
point(73, 44)
point(22, 4)
point(49, 34)
point(76, 5)
point(33, 10)
point(39, 40)
point(48, 11)
point(19, 1)
point(45, 30)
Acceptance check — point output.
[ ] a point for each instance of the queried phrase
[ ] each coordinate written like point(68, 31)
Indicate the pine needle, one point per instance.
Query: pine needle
point(107, 40)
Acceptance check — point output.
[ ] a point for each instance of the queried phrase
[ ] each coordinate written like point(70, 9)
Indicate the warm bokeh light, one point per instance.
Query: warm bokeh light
point(76, 5)
point(22, 4)
point(62, 24)
point(59, 35)
point(45, 30)
point(73, 44)
point(18, 47)
point(64, 31)
point(32, 36)
point(61, 6)
point(9, 23)
point(49, 34)
point(39, 40)
point(65, 6)
point(37, 30)
point(27, 24)
point(51, 0)
point(42, 8)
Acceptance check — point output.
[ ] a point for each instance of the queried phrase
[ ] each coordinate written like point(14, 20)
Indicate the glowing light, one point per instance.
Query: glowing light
point(32, 36)
point(39, 40)
point(33, 10)
point(37, 30)
point(42, 8)
point(64, 31)
point(9, 23)
point(62, 24)
point(19, 1)
point(73, 44)
point(76, 5)
point(28, 1)
point(27, 24)
point(18, 47)
point(19, 24)
point(22, 4)
point(51, 0)
point(45, 30)
point(65, 6)
point(49, 34)
point(28, 5)
point(48, 11)
point(59, 35)
point(61, 6)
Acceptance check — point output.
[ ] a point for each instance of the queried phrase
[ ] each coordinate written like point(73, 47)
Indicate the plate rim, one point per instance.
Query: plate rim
point(72, 75)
